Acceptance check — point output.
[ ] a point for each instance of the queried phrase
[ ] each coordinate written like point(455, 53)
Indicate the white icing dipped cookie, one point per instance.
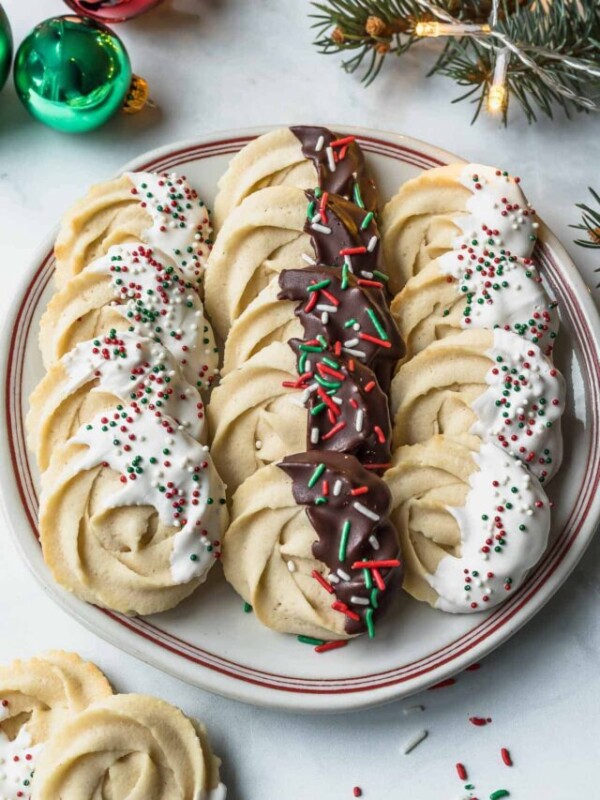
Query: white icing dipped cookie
point(36, 698)
point(136, 289)
point(446, 207)
point(129, 746)
point(132, 511)
point(472, 521)
point(160, 210)
point(475, 288)
point(494, 384)
point(95, 376)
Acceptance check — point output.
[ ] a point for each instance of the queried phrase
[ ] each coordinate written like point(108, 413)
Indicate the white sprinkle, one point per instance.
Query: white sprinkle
point(337, 488)
point(359, 420)
point(372, 244)
point(412, 710)
point(366, 512)
point(366, 274)
point(316, 217)
point(343, 575)
point(333, 578)
point(330, 159)
point(319, 144)
point(352, 342)
point(320, 228)
point(324, 307)
point(414, 741)
point(324, 318)
point(359, 601)
point(309, 259)
point(291, 566)
point(314, 436)
point(374, 542)
point(348, 263)
point(357, 353)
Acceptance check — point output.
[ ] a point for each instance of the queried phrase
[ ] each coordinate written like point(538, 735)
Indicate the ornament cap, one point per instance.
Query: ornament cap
point(138, 96)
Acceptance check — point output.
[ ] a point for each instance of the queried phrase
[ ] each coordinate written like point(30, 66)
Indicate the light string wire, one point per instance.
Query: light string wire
point(513, 48)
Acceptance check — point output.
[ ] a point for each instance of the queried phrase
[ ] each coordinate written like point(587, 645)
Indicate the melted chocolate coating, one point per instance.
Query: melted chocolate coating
point(344, 219)
point(359, 422)
point(340, 474)
point(349, 170)
point(354, 302)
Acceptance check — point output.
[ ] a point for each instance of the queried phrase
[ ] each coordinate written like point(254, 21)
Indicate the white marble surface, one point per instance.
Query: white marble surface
point(218, 65)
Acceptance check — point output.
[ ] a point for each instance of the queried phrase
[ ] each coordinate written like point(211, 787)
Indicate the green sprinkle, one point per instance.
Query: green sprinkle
point(381, 275)
point(317, 409)
point(349, 323)
point(368, 579)
point(310, 211)
point(344, 540)
point(314, 287)
point(330, 362)
point(310, 348)
point(374, 601)
point(321, 501)
point(499, 793)
point(357, 196)
point(377, 324)
point(366, 221)
point(316, 475)
point(344, 284)
point(247, 608)
point(369, 621)
point(311, 640)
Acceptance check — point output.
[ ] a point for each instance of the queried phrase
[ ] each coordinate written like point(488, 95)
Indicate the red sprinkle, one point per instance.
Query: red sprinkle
point(353, 251)
point(357, 791)
point(506, 757)
point(368, 338)
point(461, 771)
point(335, 645)
point(390, 562)
point(325, 584)
point(479, 721)
point(443, 684)
point(379, 580)
point(475, 667)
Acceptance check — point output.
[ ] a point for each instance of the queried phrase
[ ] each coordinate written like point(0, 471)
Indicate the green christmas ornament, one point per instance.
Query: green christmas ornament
point(73, 74)
point(6, 47)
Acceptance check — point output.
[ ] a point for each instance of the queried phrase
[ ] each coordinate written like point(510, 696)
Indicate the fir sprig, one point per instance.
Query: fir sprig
point(372, 29)
point(590, 223)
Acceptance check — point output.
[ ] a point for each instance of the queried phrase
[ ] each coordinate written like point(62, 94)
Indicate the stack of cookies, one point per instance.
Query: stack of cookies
point(64, 734)
point(132, 508)
point(300, 425)
point(477, 400)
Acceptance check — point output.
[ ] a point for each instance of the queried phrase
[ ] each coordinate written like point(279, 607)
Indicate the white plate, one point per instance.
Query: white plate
point(209, 641)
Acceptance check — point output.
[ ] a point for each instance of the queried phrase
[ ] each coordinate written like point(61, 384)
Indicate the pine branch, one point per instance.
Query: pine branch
point(590, 223)
point(372, 29)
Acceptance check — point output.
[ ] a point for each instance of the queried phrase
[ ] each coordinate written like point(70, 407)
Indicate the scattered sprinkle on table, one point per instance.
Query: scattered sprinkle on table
point(357, 791)
point(443, 684)
point(506, 757)
point(414, 741)
point(480, 721)
point(499, 793)
point(461, 771)
point(412, 710)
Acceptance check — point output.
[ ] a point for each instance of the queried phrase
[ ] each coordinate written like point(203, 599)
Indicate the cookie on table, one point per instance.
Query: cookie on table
point(446, 207)
point(270, 407)
point(131, 745)
point(311, 548)
point(156, 209)
point(301, 156)
point(472, 521)
point(116, 369)
point(36, 698)
point(473, 288)
point(281, 228)
point(494, 384)
point(331, 304)
point(137, 289)
point(132, 512)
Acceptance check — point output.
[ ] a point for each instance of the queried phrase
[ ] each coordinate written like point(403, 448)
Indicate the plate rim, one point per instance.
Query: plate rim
point(244, 690)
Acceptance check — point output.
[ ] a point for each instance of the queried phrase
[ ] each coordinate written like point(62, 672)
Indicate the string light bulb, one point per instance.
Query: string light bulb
point(433, 28)
point(498, 93)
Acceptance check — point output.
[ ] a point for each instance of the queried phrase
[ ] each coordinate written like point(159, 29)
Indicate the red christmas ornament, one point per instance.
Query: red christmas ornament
point(111, 10)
